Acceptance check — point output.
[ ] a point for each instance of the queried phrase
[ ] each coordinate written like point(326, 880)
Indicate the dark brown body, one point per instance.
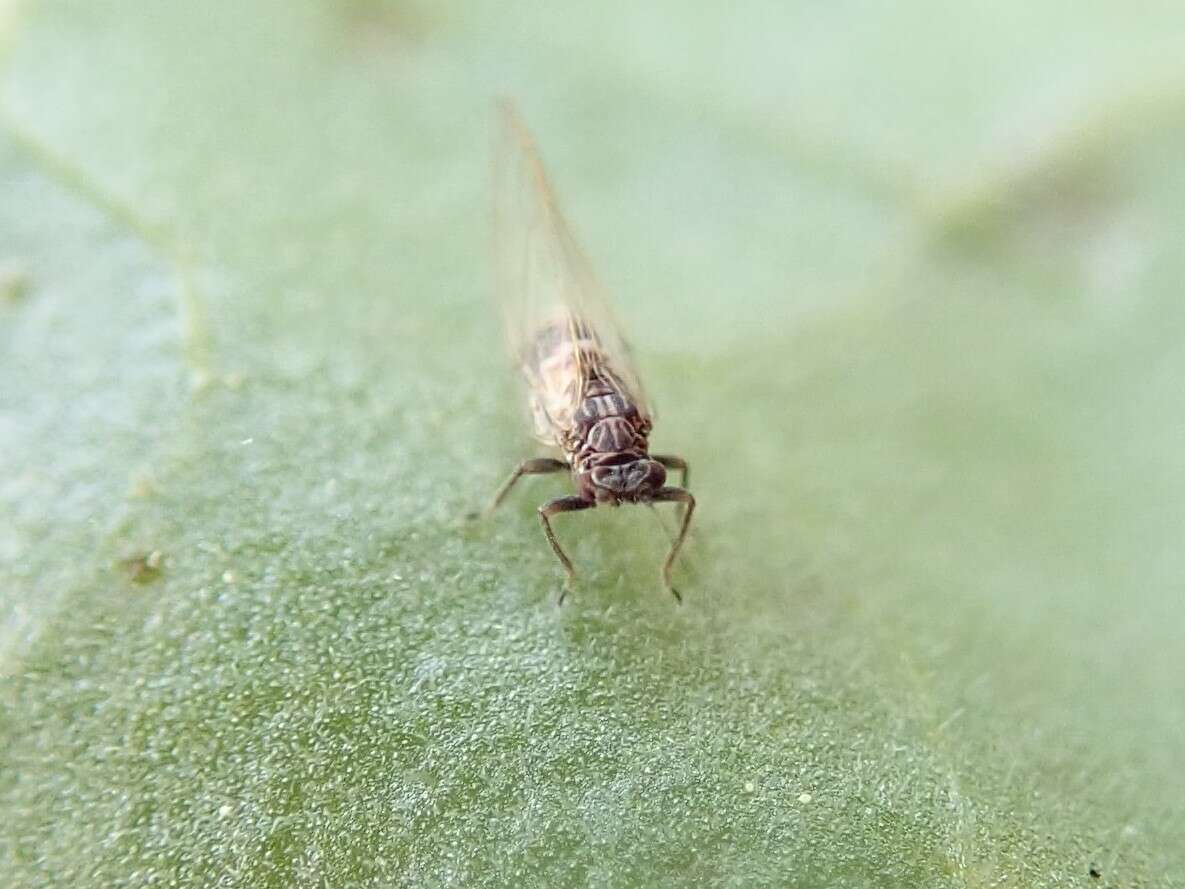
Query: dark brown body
point(609, 449)
point(605, 440)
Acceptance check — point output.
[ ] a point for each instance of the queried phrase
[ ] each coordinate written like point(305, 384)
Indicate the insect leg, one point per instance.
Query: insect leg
point(539, 466)
point(675, 495)
point(546, 511)
point(672, 462)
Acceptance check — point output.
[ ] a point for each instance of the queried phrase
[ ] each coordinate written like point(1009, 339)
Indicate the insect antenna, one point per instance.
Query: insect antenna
point(669, 532)
point(662, 523)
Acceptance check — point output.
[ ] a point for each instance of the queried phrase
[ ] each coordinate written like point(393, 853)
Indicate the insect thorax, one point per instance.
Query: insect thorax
point(607, 427)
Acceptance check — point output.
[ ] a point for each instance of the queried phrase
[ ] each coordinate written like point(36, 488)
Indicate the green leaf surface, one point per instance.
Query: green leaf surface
point(906, 283)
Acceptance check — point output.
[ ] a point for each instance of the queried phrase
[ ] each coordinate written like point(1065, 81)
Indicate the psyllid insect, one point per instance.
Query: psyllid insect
point(586, 400)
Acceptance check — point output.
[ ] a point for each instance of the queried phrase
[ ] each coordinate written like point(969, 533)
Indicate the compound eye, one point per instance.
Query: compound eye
point(657, 474)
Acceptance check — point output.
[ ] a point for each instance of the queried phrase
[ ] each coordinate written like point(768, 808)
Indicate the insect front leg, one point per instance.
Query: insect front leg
point(675, 495)
point(672, 462)
point(546, 511)
point(538, 466)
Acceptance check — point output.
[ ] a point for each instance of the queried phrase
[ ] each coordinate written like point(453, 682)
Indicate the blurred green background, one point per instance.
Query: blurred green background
point(905, 280)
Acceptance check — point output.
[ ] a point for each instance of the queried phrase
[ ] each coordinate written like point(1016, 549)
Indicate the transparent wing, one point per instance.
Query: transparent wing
point(559, 324)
